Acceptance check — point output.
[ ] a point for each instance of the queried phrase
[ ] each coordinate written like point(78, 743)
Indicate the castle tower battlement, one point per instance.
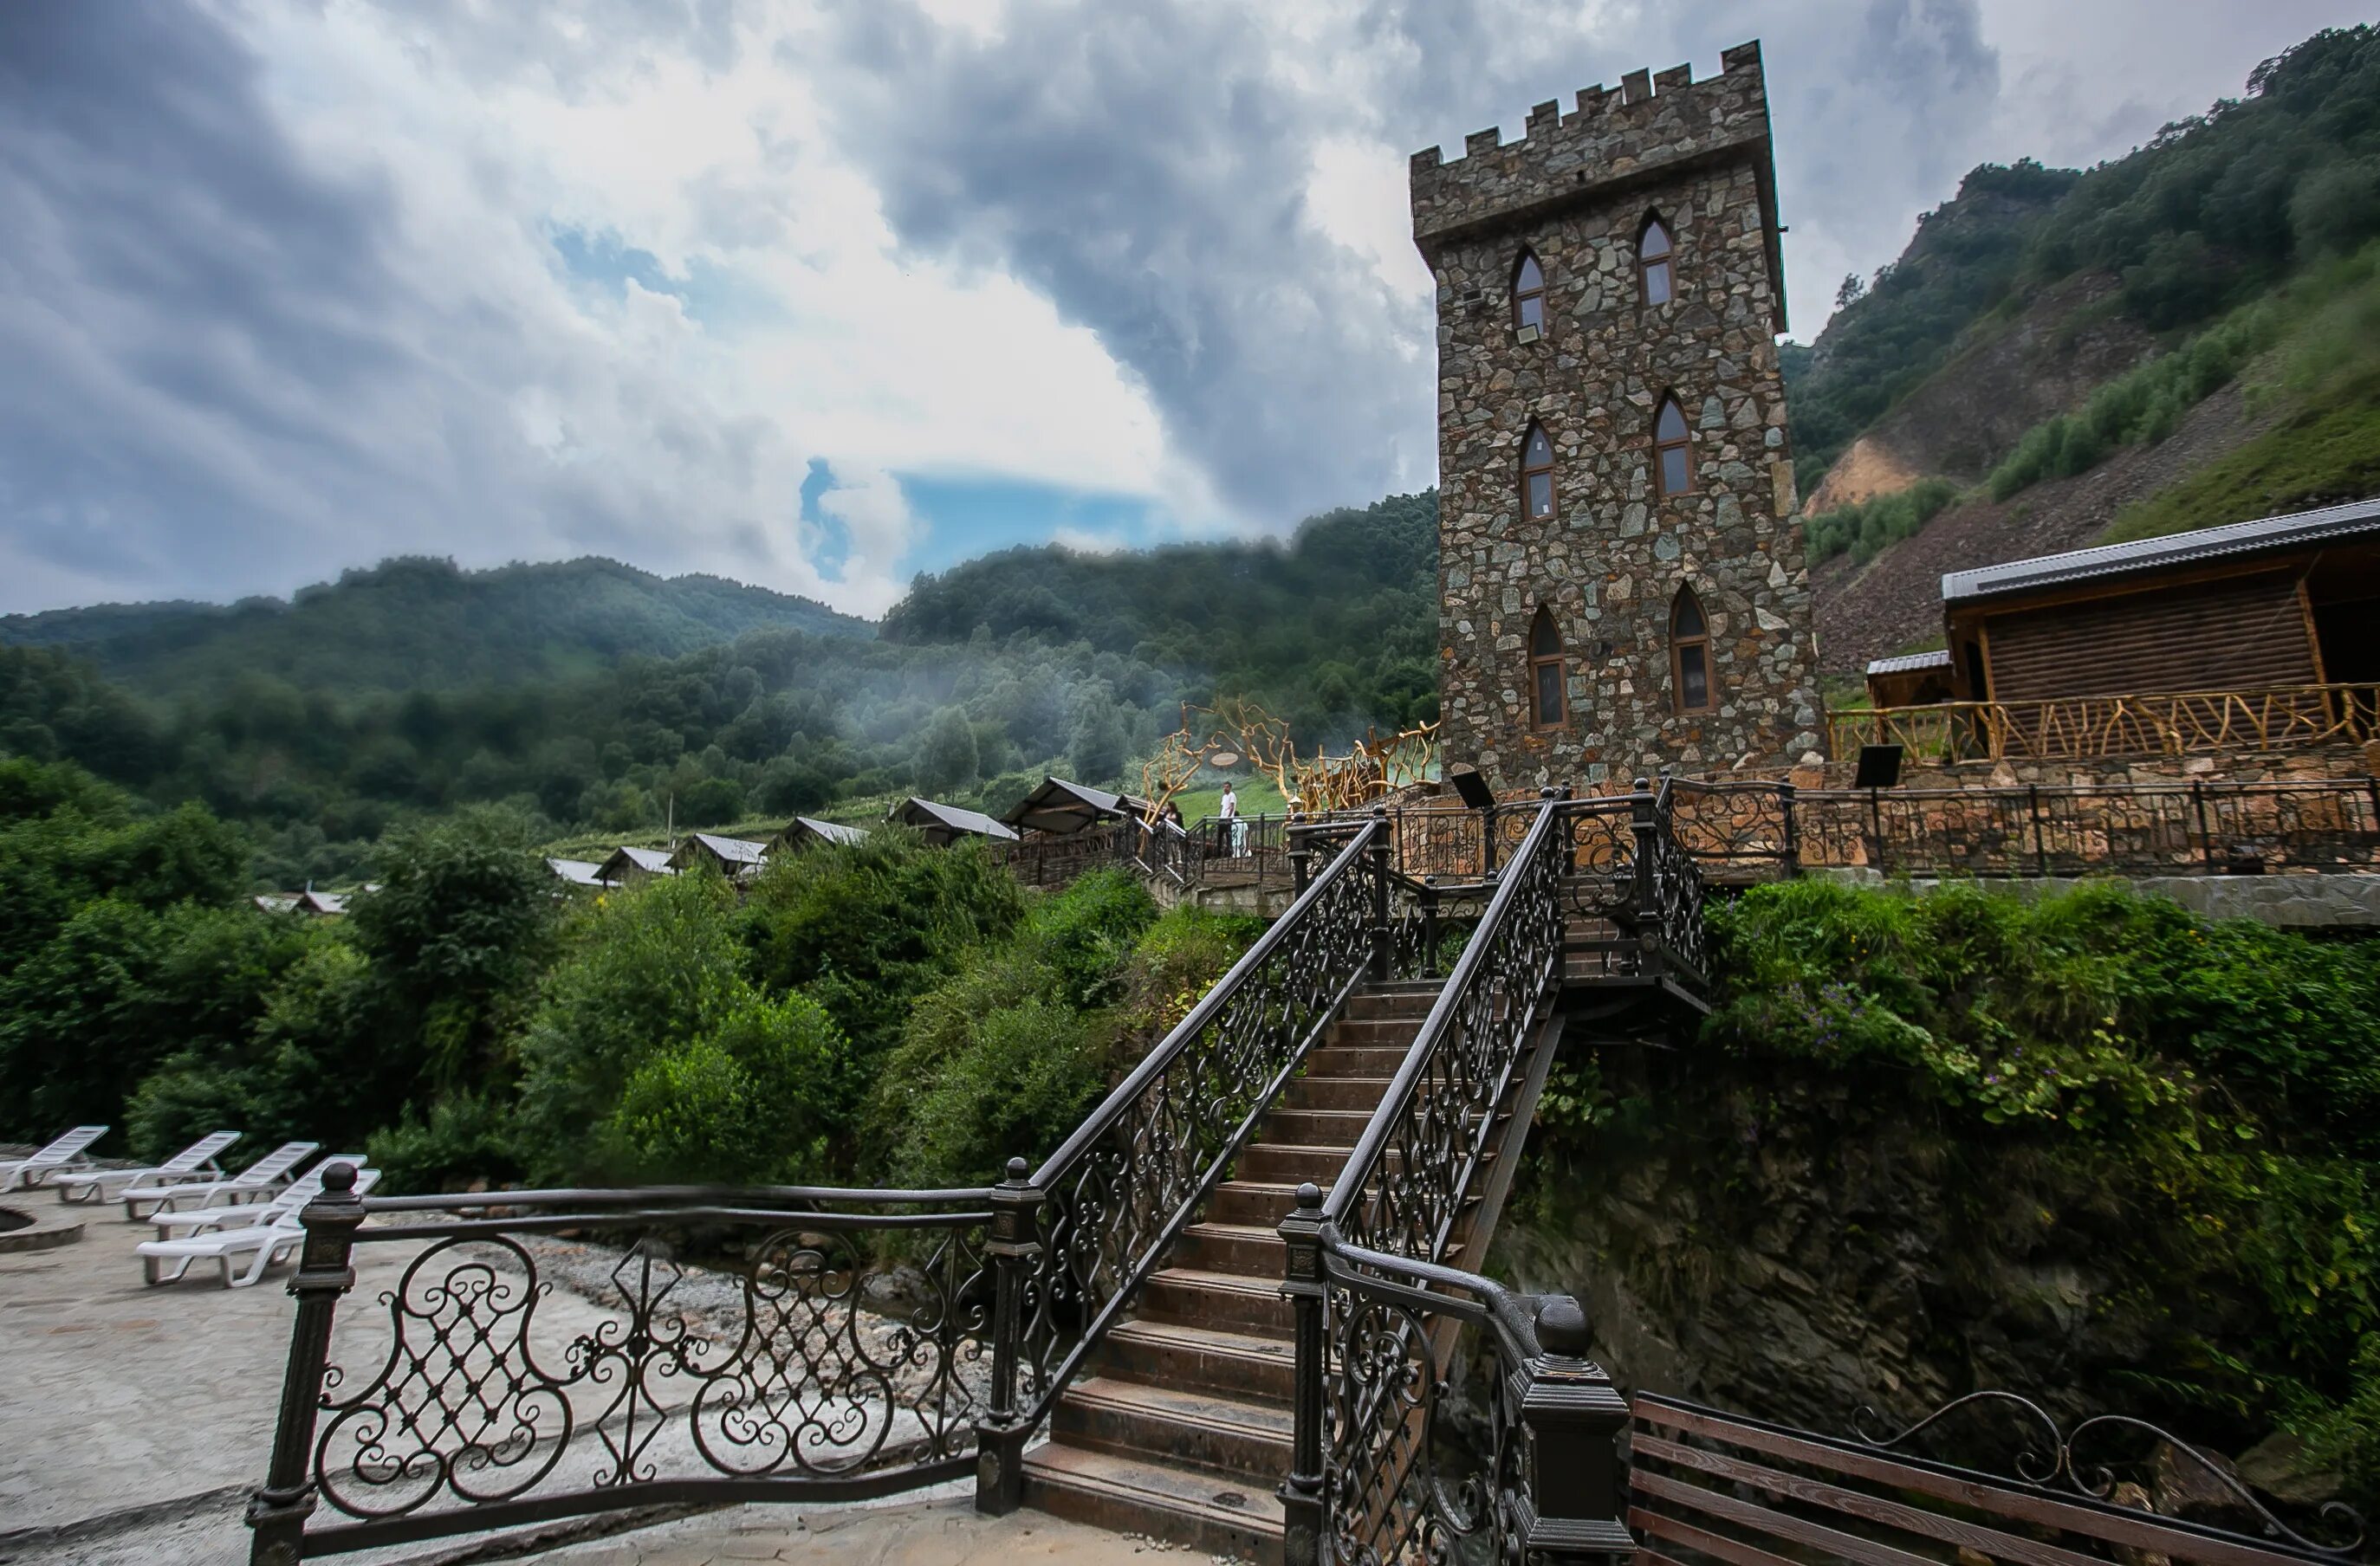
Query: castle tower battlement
point(1623, 586)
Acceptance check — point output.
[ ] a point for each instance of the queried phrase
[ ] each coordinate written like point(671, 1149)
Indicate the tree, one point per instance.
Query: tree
point(1851, 291)
point(946, 752)
point(1096, 748)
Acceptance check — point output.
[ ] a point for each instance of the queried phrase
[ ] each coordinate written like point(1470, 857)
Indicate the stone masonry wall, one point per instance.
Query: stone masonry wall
point(1610, 563)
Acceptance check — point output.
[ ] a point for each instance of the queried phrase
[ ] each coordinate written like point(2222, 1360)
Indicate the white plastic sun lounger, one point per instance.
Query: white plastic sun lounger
point(253, 1215)
point(195, 1162)
point(69, 1151)
point(257, 1183)
point(256, 1248)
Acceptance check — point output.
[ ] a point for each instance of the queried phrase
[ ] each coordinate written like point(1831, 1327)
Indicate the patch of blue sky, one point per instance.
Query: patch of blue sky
point(713, 296)
point(962, 518)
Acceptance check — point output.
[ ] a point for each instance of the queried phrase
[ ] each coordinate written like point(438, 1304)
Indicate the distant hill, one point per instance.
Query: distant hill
point(413, 624)
point(2182, 337)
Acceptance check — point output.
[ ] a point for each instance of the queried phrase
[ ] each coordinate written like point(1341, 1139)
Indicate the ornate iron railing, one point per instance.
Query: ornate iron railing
point(780, 1343)
point(1390, 1462)
point(1075, 1240)
point(2156, 724)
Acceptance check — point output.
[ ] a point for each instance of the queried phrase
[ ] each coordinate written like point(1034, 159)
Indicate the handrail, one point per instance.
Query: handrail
point(1110, 1110)
point(1349, 1187)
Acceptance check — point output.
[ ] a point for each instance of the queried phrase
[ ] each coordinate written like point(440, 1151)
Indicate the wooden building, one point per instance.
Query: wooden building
point(1063, 809)
point(627, 865)
point(735, 857)
point(803, 831)
point(2288, 601)
point(945, 824)
point(2259, 636)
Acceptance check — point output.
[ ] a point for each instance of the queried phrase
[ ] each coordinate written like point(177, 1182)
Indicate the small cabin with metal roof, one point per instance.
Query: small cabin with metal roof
point(576, 872)
point(626, 865)
point(803, 831)
point(1061, 808)
point(2287, 601)
point(945, 824)
point(734, 857)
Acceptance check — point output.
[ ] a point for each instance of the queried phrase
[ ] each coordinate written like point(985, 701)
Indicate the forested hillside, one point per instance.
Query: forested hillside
point(2182, 337)
point(987, 676)
point(420, 625)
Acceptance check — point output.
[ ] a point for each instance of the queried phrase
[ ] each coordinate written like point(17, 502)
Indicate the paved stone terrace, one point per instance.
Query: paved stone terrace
point(134, 1420)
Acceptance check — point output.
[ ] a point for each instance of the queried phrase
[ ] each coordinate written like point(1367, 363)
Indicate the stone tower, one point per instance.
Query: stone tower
point(1622, 584)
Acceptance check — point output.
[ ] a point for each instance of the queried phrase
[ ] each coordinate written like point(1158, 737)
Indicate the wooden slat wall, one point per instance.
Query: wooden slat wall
point(2242, 631)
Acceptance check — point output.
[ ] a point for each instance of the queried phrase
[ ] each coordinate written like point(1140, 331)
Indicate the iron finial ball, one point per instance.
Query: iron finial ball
point(339, 1179)
point(1309, 1195)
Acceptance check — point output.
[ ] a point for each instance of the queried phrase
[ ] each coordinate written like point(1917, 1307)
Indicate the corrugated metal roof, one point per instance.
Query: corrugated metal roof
point(833, 831)
point(578, 872)
point(1910, 662)
point(951, 817)
point(1055, 805)
point(2145, 556)
point(734, 850)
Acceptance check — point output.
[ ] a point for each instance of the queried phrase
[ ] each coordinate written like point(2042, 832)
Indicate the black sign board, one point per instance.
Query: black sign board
point(1879, 767)
point(1476, 794)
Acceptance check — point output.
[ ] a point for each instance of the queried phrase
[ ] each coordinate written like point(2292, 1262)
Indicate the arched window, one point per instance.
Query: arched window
point(1690, 668)
point(1537, 475)
point(1652, 261)
point(1673, 468)
point(1529, 295)
point(1545, 672)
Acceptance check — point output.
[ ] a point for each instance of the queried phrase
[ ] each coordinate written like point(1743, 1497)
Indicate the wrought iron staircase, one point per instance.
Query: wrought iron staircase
point(1202, 1317)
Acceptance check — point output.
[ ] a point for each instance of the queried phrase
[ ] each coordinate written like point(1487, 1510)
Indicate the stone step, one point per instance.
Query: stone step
point(1179, 1506)
point(1348, 1060)
point(1225, 1436)
point(1260, 1203)
point(1224, 1300)
point(1316, 1128)
point(1363, 1093)
point(1248, 1250)
point(1396, 1032)
point(1374, 1005)
point(1174, 1354)
point(1275, 1163)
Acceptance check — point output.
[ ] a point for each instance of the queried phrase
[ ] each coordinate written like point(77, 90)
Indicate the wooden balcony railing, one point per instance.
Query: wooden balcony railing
point(2158, 724)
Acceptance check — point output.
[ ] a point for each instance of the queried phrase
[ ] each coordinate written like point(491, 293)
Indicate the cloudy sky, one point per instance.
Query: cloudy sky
point(820, 294)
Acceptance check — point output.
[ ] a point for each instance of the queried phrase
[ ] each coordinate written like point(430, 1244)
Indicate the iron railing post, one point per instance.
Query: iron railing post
point(1646, 893)
point(2040, 854)
point(1429, 927)
point(1383, 946)
point(1301, 857)
point(1000, 1436)
point(1301, 1499)
point(2205, 838)
point(1573, 1415)
point(277, 1513)
point(1792, 849)
point(2372, 788)
point(1488, 844)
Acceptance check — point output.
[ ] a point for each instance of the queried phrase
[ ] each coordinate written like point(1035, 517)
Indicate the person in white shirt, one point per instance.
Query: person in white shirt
point(1235, 831)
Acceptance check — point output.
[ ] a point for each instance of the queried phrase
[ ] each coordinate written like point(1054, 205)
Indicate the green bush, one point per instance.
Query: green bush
point(2221, 1079)
point(645, 970)
point(1867, 528)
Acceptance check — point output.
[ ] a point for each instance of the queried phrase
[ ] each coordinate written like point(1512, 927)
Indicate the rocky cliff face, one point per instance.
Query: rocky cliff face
point(1798, 1246)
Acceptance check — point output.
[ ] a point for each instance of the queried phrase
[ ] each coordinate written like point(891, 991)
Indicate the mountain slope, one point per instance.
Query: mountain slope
point(2178, 338)
point(421, 624)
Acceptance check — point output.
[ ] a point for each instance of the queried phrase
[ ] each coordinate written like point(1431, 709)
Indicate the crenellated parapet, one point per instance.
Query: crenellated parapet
point(1650, 128)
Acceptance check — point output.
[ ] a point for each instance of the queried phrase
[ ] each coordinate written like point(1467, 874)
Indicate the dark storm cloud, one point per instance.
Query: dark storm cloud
point(167, 270)
point(1147, 176)
point(1149, 173)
